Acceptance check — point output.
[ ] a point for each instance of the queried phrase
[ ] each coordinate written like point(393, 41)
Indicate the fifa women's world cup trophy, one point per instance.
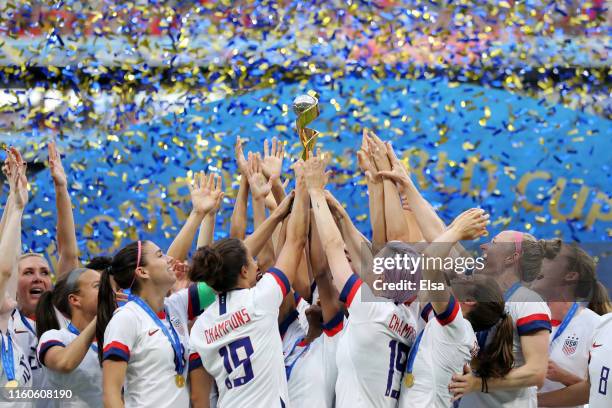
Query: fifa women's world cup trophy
point(306, 108)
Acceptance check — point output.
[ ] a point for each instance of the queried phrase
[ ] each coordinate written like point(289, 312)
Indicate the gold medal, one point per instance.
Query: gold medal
point(408, 380)
point(12, 384)
point(179, 380)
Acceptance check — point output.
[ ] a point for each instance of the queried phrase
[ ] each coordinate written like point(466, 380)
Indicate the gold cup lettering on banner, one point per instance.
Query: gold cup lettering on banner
point(306, 108)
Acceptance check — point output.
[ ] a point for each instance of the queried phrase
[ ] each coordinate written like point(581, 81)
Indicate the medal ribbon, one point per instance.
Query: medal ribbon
point(27, 324)
point(172, 337)
point(8, 362)
point(511, 291)
point(566, 320)
point(413, 352)
point(76, 331)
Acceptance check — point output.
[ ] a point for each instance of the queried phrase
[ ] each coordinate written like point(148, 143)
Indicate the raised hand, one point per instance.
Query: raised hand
point(315, 175)
point(241, 162)
point(260, 187)
point(55, 165)
point(205, 192)
point(366, 161)
point(378, 152)
point(272, 164)
point(16, 174)
point(398, 172)
point(180, 270)
point(470, 224)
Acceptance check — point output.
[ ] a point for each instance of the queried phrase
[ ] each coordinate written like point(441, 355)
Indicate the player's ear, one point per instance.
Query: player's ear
point(74, 300)
point(244, 272)
point(572, 277)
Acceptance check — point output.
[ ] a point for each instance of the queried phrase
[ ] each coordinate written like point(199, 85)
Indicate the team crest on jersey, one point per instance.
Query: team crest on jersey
point(569, 347)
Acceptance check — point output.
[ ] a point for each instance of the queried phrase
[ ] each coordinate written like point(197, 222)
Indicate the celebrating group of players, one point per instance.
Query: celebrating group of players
point(294, 314)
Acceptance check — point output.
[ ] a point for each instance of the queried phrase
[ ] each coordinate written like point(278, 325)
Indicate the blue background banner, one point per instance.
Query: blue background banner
point(534, 167)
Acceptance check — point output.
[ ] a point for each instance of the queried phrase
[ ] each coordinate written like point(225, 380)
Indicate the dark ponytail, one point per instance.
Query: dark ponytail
point(219, 264)
point(99, 263)
point(496, 359)
point(122, 269)
point(57, 298)
point(45, 314)
point(600, 301)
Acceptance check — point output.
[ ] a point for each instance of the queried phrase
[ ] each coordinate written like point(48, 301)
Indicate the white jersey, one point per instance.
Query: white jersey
point(447, 344)
point(24, 330)
point(22, 371)
point(311, 368)
point(373, 349)
point(600, 365)
point(292, 327)
point(85, 381)
point(570, 351)
point(133, 336)
point(529, 314)
point(237, 340)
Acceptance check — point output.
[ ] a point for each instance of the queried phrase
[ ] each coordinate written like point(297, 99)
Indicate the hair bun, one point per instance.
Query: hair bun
point(208, 263)
point(550, 247)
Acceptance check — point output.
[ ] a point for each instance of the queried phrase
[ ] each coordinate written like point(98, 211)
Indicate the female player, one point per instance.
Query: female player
point(568, 276)
point(377, 328)
point(512, 258)
point(596, 389)
point(144, 342)
point(34, 273)
point(448, 342)
point(310, 363)
point(70, 354)
point(16, 371)
point(233, 338)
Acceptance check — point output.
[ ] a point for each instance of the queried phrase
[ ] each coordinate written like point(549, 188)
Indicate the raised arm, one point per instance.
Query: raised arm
point(205, 193)
point(329, 234)
point(206, 236)
point(376, 197)
point(12, 229)
point(66, 233)
point(9, 199)
point(430, 224)
point(297, 228)
point(272, 166)
point(320, 270)
point(357, 245)
point(469, 225)
point(260, 188)
point(395, 223)
point(238, 221)
point(258, 238)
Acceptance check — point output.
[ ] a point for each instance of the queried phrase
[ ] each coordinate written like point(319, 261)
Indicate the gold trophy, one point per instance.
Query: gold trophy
point(306, 108)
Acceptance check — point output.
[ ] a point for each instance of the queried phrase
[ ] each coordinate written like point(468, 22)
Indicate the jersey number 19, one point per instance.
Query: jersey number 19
point(231, 352)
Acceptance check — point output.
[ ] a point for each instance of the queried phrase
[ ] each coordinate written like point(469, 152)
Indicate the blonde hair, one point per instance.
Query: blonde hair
point(31, 254)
